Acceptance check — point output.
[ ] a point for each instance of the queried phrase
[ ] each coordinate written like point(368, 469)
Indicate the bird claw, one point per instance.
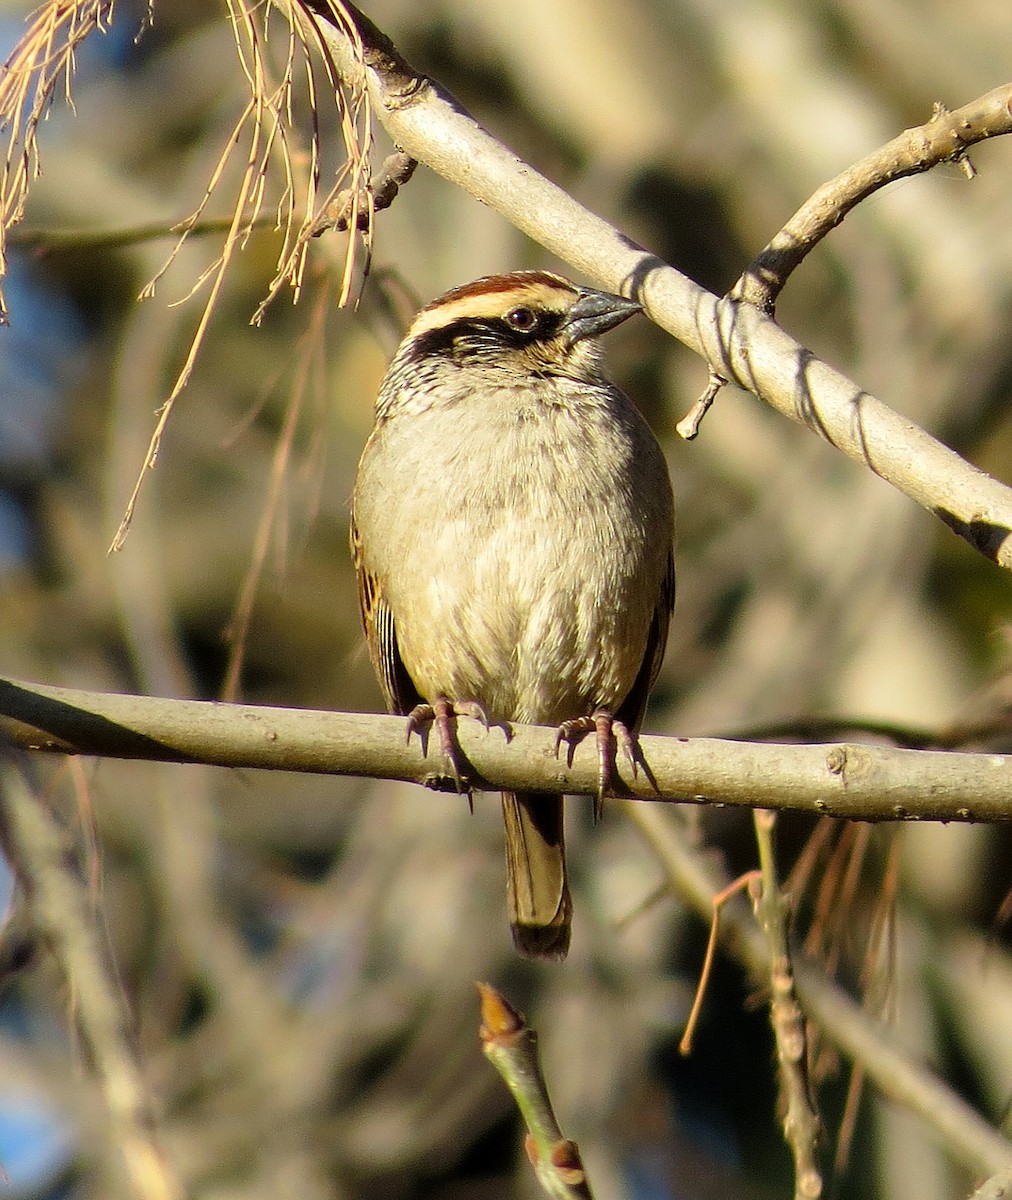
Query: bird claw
point(610, 733)
point(441, 713)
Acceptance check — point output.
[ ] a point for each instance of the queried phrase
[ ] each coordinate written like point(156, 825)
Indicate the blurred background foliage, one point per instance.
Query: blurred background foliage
point(299, 954)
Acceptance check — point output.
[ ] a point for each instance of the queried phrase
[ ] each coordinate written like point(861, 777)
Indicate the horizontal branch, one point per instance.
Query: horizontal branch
point(739, 342)
point(860, 782)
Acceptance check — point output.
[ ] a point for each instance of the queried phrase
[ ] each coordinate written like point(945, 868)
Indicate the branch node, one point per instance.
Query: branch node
point(357, 205)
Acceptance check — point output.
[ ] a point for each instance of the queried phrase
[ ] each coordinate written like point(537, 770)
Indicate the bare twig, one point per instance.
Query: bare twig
point(746, 882)
point(349, 207)
point(946, 137)
point(857, 782)
point(46, 241)
point(801, 1121)
point(688, 426)
point(511, 1046)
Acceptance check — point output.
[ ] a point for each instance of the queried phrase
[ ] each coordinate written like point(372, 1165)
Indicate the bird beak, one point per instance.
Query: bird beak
point(595, 313)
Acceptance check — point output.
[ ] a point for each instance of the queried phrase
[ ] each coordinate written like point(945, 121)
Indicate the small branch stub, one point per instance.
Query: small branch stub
point(688, 426)
point(351, 206)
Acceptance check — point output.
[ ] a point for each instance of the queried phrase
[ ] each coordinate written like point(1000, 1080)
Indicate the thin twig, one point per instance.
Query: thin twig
point(946, 137)
point(742, 883)
point(688, 426)
point(801, 1121)
point(350, 208)
point(51, 241)
point(511, 1046)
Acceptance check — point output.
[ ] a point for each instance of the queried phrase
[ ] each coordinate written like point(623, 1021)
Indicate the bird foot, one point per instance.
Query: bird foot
point(442, 712)
point(610, 733)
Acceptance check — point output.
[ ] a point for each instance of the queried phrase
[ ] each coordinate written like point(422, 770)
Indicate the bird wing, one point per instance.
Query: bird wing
point(399, 691)
point(632, 708)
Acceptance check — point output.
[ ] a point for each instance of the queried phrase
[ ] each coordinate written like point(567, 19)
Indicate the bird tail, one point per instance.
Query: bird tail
point(540, 907)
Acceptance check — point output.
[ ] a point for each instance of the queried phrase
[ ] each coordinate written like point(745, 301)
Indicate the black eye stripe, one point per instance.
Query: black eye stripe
point(477, 334)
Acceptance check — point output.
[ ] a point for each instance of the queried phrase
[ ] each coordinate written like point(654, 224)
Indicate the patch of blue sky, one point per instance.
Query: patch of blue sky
point(36, 1144)
point(37, 1140)
point(37, 358)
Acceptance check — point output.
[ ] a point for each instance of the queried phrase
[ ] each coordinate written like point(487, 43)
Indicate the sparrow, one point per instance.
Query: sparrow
point(512, 529)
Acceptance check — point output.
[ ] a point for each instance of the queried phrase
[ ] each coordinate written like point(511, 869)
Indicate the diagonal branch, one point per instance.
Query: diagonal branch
point(739, 342)
point(945, 138)
point(511, 1046)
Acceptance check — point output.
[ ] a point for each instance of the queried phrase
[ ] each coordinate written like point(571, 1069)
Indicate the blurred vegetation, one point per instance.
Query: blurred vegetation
point(299, 955)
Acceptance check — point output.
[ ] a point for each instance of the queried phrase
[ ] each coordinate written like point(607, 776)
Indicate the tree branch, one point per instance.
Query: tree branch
point(868, 783)
point(998, 1187)
point(945, 138)
point(738, 341)
point(693, 877)
point(511, 1046)
point(801, 1124)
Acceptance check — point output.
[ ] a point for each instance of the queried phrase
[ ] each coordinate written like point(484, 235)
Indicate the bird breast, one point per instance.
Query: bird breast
point(521, 545)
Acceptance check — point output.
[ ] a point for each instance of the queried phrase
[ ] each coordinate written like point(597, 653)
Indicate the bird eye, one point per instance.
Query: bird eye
point(522, 319)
